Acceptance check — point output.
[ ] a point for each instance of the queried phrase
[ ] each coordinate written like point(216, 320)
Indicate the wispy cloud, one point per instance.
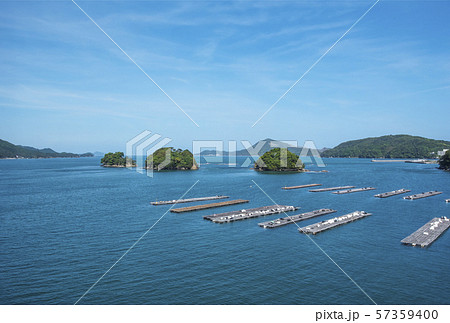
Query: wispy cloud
point(223, 61)
point(78, 102)
point(186, 14)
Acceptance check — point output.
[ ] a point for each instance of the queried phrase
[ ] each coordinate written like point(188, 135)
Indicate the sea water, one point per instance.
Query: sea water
point(65, 222)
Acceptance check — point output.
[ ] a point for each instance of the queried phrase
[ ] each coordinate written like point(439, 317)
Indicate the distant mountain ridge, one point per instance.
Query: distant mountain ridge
point(391, 146)
point(9, 150)
point(267, 144)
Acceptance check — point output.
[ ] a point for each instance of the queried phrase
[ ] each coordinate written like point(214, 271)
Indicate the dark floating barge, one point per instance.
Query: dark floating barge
point(327, 189)
point(354, 190)
point(195, 199)
point(294, 218)
point(299, 186)
point(250, 213)
point(207, 206)
point(392, 193)
point(422, 195)
point(428, 233)
point(335, 222)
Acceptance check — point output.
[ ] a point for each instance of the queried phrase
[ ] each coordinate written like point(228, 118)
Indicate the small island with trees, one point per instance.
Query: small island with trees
point(166, 158)
point(169, 158)
point(116, 159)
point(444, 161)
point(279, 160)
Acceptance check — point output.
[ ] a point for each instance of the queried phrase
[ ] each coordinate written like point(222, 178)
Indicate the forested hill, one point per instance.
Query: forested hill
point(9, 150)
point(392, 146)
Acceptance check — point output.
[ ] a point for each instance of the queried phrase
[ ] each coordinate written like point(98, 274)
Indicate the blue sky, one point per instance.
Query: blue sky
point(65, 85)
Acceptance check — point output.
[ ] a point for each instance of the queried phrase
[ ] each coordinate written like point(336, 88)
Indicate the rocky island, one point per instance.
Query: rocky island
point(279, 160)
point(169, 158)
point(444, 161)
point(116, 159)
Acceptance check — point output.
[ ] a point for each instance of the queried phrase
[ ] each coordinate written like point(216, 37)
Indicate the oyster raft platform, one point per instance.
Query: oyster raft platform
point(194, 199)
point(422, 195)
point(207, 206)
point(295, 218)
point(392, 193)
point(428, 233)
point(354, 190)
point(250, 213)
point(335, 222)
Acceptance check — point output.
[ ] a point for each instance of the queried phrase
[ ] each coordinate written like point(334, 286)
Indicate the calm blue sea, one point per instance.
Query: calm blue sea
point(64, 222)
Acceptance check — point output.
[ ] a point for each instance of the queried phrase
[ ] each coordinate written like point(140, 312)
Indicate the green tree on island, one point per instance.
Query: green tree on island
point(278, 160)
point(444, 161)
point(169, 158)
point(113, 159)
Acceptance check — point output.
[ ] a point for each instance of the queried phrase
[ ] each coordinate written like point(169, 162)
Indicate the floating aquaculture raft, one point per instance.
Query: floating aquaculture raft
point(194, 199)
point(250, 213)
point(294, 218)
point(428, 233)
point(422, 195)
point(207, 206)
point(354, 190)
point(335, 222)
point(331, 188)
point(392, 193)
point(299, 186)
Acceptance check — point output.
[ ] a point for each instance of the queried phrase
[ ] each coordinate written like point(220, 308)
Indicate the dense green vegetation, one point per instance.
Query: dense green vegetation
point(116, 159)
point(272, 161)
point(393, 146)
point(444, 161)
point(9, 150)
point(168, 158)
